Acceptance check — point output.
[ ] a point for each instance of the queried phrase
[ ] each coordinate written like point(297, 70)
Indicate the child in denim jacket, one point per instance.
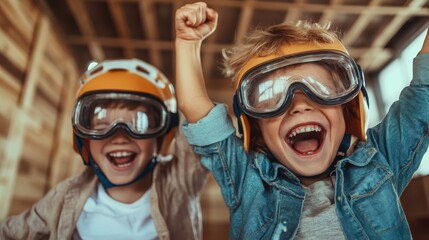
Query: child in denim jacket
point(306, 166)
point(124, 126)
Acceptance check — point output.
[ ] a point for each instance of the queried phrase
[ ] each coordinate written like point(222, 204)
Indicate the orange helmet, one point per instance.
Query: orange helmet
point(264, 89)
point(131, 82)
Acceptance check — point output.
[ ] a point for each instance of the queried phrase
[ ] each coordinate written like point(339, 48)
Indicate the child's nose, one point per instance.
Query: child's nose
point(300, 104)
point(120, 136)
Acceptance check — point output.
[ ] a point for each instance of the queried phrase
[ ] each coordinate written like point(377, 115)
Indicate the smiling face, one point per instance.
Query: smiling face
point(120, 157)
point(306, 137)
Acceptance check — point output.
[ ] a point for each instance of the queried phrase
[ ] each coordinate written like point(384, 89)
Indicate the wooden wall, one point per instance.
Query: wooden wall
point(38, 79)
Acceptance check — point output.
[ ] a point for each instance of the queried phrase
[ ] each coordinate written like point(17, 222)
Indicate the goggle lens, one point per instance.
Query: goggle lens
point(326, 78)
point(99, 115)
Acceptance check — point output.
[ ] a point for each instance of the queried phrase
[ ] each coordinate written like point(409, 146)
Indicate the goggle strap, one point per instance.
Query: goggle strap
point(80, 146)
point(237, 112)
point(344, 145)
point(365, 94)
point(174, 121)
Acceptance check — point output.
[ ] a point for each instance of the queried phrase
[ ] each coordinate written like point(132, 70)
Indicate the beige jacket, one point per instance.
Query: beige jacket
point(175, 205)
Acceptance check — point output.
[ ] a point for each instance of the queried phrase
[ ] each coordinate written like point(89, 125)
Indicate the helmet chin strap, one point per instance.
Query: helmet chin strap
point(102, 177)
point(108, 184)
point(342, 152)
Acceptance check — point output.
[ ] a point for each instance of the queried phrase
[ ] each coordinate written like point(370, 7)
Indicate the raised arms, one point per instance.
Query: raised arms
point(194, 22)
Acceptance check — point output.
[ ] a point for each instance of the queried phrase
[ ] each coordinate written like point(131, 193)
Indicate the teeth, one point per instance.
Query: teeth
point(120, 154)
point(303, 129)
point(124, 165)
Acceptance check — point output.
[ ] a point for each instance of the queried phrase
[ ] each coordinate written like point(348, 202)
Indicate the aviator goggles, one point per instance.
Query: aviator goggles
point(99, 115)
point(326, 77)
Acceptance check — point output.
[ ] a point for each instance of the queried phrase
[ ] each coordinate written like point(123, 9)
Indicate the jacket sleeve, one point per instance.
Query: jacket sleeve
point(403, 135)
point(34, 223)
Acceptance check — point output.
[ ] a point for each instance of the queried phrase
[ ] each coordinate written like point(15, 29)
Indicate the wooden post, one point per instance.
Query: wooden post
point(20, 119)
point(63, 129)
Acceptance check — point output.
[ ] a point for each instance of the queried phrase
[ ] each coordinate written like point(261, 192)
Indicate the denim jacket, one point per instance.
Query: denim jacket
point(265, 199)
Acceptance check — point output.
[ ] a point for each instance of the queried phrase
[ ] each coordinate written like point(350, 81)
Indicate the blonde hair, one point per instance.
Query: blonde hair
point(266, 41)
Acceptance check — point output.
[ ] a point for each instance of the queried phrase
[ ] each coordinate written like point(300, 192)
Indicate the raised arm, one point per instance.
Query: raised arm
point(425, 48)
point(194, 22)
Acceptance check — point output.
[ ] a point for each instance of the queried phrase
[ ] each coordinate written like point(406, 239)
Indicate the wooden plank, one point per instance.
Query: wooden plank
point(329, 14)
point(310, 7)
point(13, 10)
point(63, 128)
point(359, 25)
point(14, 145)
point(12, 52)
point(120, 25)
point(50, 84)
point(373, 60)
point(9, 82)
point(149, 22)
point(245, 18)
point(9, 102)
point(44, 116)
point(293, 14)
point(38, 145)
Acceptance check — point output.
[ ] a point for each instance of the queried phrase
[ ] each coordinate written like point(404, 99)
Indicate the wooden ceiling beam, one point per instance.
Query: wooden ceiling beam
point(19, 19)
point(85, 25)
point(359, 25)
point(120, 25)
point(312, 7)
point(373, 58)
point(245, 18)
point(328, 14)
point(148, 20)
point(293, 15)
point(169, 45)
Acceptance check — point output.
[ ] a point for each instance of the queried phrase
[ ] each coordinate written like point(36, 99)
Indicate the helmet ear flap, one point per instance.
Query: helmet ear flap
point(245, 125)
point(81, 146)
point(168, 138)
point(242, 122)
point(357, 115)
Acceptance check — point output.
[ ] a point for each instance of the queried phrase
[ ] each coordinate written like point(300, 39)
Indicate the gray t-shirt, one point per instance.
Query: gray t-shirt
point(319, 219)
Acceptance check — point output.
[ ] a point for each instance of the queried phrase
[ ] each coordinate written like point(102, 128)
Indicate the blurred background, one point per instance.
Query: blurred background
point(46, 44)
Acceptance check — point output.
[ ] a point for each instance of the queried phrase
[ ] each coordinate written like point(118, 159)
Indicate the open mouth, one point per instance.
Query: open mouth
point(306, 139)
point(121, 159)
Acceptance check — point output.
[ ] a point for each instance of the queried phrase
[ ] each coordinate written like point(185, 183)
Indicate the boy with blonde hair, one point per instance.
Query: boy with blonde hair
point(306, 166)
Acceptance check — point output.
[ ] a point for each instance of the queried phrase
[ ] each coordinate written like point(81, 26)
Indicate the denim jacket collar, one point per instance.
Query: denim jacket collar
point(276, 175)
point(362, 155)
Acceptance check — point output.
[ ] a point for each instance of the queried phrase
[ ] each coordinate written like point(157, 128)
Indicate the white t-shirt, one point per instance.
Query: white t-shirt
point(105, 218)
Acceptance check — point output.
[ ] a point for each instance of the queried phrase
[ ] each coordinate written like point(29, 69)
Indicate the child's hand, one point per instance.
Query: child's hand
point(195, 21)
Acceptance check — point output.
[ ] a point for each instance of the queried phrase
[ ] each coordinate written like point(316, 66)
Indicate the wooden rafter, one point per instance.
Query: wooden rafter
point(82, 18)
point(21, 119)
point(148, 20)
point(121, 25)
point(375, 58)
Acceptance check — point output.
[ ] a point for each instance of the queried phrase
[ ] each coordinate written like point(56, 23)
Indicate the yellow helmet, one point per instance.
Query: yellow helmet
point(259, 96)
